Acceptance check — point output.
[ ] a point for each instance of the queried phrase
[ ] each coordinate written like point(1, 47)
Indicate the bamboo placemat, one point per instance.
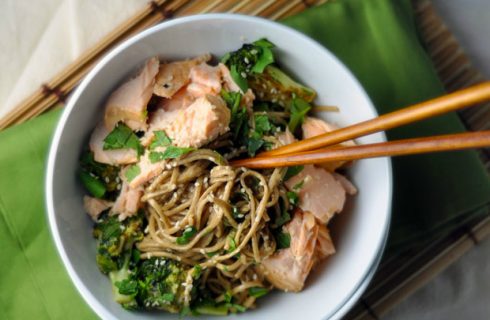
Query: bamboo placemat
point(398, 276)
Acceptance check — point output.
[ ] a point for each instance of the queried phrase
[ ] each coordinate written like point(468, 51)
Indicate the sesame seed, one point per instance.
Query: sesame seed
point(246, 60)
point(106, 180)
point(253, 51)
point(243, 74)
point(118, 187)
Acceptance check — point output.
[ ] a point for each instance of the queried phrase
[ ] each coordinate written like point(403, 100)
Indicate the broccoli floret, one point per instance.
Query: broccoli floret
point(100, 179)
point(160, 284)
point(116, 239)
point(276, 86)
point(115, 254)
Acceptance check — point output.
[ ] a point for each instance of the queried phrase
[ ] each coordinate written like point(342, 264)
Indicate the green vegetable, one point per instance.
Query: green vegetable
point(292, 197)
point(160, 284)
point(186, 236)
point(282, 219)
point(171, 152)
point(100, 179)
point(251, 58)
point(92, 184)
point(262, 124)
point(283, 240)
point(257, 292)
point(122, 137)
point(211, 310)
point(239, 115)
point(299, 108)
point(161, 140)
point(275, 85)
point(255, 142)
point(132, 172)
point(292, 171)
point(299, 185)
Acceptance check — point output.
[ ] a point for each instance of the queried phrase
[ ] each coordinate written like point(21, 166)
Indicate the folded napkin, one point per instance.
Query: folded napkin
point(378, 42)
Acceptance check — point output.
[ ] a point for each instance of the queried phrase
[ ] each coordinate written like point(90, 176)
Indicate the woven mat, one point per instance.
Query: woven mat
point(398, 276)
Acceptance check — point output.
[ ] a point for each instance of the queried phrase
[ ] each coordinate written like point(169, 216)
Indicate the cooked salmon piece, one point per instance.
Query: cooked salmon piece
point(320, 193)
point(346, 184)
point(113, 157)
point(204, 120)
point(94, 206)
point(128, 103)
point(129, 200)
point(205, 79)
point(286, 137)
point(288, 268)
point(180, 100)
point(324, 243)
point(313, 127)
point(175, 75)
point(148, 170)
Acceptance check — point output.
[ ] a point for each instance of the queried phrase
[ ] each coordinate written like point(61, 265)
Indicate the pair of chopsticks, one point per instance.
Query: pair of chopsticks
point(311, 151)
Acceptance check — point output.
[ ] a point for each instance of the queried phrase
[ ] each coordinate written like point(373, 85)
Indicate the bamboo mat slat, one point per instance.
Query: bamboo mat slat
point(55, 91)
point(398, 275)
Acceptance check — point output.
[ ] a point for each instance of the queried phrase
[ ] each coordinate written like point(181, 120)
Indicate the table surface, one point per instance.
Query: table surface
point(58, 31)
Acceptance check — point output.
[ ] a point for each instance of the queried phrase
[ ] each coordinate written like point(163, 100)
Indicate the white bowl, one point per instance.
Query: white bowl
point(359, 232)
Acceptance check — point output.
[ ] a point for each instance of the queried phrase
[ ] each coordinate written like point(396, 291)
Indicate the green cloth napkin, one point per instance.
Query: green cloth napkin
point(378, 42)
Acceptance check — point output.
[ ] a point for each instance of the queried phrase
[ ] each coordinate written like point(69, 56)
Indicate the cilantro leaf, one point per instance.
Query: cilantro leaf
point(292, 197)
point(283, 240)
point(262, 124)
point(299, 108)
point(132, 172)
point(282, 219)
point(255, 142)
point(171, 152)
point(292, 171)
point(122, 137)
point(186, 236)
point(161, 140)
point(257, 292)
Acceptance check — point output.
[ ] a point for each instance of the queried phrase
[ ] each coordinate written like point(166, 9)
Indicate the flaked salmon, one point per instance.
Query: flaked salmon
point(128, 103)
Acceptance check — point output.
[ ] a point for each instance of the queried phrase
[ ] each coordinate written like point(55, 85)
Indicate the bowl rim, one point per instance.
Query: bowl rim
point(86, 294)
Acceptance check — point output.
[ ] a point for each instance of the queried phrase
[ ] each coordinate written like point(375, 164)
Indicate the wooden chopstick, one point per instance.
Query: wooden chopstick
point(448, 142)
point(430, 108)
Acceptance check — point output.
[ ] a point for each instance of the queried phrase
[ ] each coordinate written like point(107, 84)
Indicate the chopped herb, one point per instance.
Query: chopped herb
point(92, 184)
point(292, 171)
point(231, 245)
point(132, 172)
point(170, 153)
point(122, 137)
point(161, 140)
point(228, 296)
point(283, 240)
point(196, 271)
point(292, 197)
point(262, 124)
point(299, 185)
point(211, 254)
point(299, 108)
point(238, 114)
point(168, 297)
point(282, 219)
point(186, 236)
point(257, 292)
point(255, 142)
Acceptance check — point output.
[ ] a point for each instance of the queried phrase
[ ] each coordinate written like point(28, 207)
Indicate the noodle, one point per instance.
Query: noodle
point(202, 201)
